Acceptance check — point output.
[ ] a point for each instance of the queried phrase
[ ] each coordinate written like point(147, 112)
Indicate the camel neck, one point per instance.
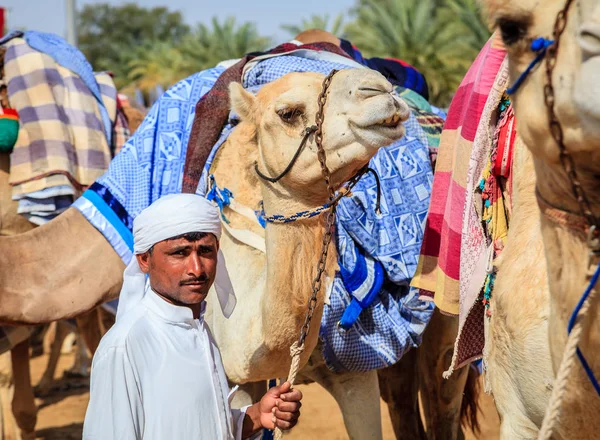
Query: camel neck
point(293, 252)
point(555, 187)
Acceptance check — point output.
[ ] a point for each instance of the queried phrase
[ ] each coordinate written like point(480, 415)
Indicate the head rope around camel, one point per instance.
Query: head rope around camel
point(317, 129)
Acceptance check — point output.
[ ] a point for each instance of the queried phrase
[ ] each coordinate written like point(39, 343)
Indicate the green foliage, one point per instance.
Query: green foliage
point(318, 22)
point(211, 45)
point(148, 47)
point(165, 63)
point(435, 36)
point(109, 35)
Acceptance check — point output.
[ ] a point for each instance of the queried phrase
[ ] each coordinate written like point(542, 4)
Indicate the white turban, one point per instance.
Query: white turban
point(169, 217)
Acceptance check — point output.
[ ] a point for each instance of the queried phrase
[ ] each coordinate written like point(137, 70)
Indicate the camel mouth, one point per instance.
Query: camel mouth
point(391, 122)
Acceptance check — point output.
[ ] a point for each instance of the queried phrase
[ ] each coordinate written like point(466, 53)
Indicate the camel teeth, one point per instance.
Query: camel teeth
point(396, 118)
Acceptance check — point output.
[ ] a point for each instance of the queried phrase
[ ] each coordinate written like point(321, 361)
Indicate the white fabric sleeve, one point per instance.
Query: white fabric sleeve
point(237, 415)
point(115, 410)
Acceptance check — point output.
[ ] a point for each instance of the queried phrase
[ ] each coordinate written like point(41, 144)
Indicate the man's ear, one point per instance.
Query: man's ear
point(242, 102)
point(144, 261)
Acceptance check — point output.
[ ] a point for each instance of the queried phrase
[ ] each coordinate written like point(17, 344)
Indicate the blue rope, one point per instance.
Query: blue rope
point(539, 46)
point(278, 218)
point(582, 359)
point(222, 197)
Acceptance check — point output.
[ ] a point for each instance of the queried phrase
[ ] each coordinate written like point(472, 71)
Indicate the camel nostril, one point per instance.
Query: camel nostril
point(402, 108)
point(589, 39)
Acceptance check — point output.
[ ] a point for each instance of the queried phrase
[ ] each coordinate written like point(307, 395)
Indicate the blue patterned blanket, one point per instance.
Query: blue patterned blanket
point(381, 315)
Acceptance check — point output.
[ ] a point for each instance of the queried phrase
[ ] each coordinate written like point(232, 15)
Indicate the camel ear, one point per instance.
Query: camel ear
point(242, 102)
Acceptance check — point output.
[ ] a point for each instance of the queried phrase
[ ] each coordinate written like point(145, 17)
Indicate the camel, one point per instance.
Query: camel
point(576, 97)
point(361, 419)
point(16, 382)
point(257, 278)
point(270, 358)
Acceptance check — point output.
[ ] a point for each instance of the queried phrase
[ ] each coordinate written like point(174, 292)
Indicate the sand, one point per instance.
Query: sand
point(61, 414)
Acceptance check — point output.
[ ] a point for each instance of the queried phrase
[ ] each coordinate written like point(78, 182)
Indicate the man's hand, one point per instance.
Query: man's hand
point(280, 407)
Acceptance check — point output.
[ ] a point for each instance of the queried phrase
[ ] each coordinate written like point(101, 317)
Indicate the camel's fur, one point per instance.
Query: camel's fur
point(577, 104)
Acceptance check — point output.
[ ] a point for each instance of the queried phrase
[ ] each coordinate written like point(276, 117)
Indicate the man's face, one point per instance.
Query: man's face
point(182, 269)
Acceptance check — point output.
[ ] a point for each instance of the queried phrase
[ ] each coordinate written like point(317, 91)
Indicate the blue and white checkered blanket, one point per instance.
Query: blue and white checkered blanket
point(378, 253)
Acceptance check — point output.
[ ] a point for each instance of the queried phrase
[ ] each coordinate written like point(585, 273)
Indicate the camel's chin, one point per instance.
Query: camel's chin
point(381, 135)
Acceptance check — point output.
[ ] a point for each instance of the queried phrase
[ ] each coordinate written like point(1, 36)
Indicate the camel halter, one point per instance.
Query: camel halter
point(586, 222)
point(317, 129)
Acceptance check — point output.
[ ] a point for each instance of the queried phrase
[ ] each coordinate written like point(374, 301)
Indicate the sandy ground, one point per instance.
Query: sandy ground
point(61, 414)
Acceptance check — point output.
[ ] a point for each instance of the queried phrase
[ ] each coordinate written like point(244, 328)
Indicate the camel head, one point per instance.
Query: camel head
point(361, 115)
point(575, 82)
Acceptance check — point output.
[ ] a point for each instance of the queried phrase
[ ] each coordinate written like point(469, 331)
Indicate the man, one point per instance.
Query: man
point(157, 373)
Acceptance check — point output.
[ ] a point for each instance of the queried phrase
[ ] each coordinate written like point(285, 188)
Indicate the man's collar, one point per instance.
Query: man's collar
point(170, 312)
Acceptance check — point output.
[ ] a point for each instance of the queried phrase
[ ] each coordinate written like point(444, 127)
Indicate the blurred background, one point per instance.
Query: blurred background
point(149, 46)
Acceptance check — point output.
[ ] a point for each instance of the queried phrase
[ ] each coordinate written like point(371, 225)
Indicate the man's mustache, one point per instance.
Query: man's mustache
point(201, 279)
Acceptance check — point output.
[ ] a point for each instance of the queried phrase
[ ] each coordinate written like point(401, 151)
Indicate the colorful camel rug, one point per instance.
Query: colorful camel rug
point(455, 255)
point(151, 165)
point(67, 117)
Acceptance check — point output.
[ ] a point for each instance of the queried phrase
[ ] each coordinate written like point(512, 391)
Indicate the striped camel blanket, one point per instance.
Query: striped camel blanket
point(62, 146)
point(455, 254)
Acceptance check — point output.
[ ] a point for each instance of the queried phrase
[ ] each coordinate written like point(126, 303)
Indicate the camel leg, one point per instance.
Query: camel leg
point(82, 363)
point(8, 425)
point(357, 395)
point(91, 328)
point(23, 403)
point(62, 329)
point(399, 387)
point(441, 398)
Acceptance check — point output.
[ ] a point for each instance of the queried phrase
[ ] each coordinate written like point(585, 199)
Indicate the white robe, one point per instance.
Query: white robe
point(158, 374)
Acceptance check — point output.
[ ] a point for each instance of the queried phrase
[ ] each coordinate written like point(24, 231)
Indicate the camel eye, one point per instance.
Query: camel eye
point(512, 31)
point(290, 115)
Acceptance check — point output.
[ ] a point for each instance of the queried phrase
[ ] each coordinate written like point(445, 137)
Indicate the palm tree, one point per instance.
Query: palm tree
point(318, 22)
point(210, 45)
point(158, 63)
point(469, 14)
point(422, 32)
point(165, 63)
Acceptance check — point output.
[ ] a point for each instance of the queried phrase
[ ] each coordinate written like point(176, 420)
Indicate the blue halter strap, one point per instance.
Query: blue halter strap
point(539, 46)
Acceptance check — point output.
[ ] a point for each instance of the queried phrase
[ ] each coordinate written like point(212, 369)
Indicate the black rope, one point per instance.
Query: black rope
point(378, 182)
point(307, 132)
